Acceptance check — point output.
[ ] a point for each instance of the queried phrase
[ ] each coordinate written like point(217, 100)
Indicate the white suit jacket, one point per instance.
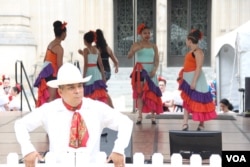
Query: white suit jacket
point(56, 120)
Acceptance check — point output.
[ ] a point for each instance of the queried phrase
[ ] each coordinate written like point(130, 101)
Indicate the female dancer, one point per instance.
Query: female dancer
point(197, 99)
point(146, 92)
point(95, 88)
point(52, 62)
point(106, 53)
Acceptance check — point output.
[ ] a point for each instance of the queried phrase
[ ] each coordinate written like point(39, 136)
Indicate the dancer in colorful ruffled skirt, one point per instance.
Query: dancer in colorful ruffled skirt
point(96, 87)
point(197, 100)
point(146, 92)
point(52, 62)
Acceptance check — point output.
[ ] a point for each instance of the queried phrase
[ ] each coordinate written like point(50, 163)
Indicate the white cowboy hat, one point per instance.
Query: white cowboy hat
point(68, 74)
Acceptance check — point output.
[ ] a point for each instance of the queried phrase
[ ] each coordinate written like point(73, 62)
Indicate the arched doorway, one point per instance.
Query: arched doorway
point(227, 84)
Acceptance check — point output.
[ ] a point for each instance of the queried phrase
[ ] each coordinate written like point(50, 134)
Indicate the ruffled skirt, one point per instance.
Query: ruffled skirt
point(199, 101)
point(144, 87)
point(95, 88)
point(41, 84)
point(96, 91)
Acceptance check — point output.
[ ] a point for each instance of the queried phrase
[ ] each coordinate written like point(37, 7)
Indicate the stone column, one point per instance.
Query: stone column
point(162, 32)
point(16, 39)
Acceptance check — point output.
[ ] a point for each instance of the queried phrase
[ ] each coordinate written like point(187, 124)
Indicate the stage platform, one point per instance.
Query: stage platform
point(146, 138)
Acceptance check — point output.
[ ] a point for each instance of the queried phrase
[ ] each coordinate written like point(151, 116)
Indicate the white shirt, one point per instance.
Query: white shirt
point(228, 112)
point(166, 96)
point(177, 98)
point(4, 100)
point(56, 120)
point(15, 103)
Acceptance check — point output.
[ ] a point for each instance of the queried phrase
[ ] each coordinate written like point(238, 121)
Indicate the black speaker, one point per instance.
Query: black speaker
point(187, 143)
point(108, 138)
point(247, 94)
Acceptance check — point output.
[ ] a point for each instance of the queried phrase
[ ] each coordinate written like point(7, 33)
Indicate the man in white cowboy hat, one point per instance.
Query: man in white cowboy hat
point(73, 122)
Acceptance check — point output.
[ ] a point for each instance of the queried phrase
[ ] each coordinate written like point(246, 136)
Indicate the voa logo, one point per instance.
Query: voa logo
point(236, 158)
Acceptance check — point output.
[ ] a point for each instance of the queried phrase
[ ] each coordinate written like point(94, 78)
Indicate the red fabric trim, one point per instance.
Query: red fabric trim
point(99, 94)
point(43, 93)
point(136, 85)
point(195, 106)
point(91, 65)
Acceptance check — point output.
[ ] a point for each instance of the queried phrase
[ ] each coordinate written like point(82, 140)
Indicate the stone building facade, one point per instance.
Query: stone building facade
point(26, 26)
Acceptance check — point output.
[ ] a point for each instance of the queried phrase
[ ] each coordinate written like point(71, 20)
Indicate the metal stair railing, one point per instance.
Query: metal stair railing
point(20, 81)
point(77, 64)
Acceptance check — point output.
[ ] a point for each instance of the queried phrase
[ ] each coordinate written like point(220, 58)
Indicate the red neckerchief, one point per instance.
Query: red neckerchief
point(78, 131)
point(10, 98)
point(71, 108)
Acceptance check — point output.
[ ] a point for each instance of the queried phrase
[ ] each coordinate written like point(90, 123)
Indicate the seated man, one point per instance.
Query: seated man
point(73, 122)
point(167, 98)
point(14, 98)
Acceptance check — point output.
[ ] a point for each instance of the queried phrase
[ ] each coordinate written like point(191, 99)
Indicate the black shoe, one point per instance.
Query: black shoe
point(200, 127)
point(138, 122)
point(153, 121)
point(185, 127)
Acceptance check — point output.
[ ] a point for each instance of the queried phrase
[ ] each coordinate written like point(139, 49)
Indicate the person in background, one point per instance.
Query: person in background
point(5, 93)
point(178, 102)
point(212, 89)
point(62, 116)
point(144, 81)
point(197, 100)
point(96, 87)
point(167, 97)
point(53, 60)
point(226, 107)
point(4, 100)
point(106, 53)
point(14, 98)
point(6, 85)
